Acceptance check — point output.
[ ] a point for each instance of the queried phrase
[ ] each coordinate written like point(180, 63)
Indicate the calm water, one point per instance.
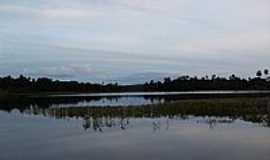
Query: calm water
point(193, 129)
point(159, 93)
point(133, 98)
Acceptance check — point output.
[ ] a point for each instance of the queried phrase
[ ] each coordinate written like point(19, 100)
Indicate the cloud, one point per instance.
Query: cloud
point(80, 69)
point(229, 42)
point(67, 13)
point(11, 8)
point(58, 76)
point(142, 77)
point(68, 69)
point(65, 71)
point(141, 5)
point(50, 13)
point(66, 38)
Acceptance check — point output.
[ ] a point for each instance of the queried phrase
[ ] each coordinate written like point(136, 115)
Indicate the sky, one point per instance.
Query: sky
point(131, 41)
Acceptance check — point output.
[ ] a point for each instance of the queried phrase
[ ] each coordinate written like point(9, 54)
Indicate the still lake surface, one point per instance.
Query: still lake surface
point(127, 126)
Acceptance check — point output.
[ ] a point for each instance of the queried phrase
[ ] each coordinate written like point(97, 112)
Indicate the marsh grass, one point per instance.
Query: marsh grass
point(252, 109)
point(249, 109)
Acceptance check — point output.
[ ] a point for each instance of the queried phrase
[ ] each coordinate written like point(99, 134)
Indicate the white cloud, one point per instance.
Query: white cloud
point(64, 71)
point(67, 13)
point(154, 35)
point(141, 5)
point(51, 13)
point(230, 42)
point(11, 8)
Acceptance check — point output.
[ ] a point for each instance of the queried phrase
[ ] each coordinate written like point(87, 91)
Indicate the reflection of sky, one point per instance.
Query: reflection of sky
point(125, 39)
point(121, 101)
point(36, 137)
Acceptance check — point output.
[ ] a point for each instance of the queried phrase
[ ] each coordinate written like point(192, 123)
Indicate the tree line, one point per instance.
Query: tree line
point(28, 84)
point(186, 83)
point(183, 83)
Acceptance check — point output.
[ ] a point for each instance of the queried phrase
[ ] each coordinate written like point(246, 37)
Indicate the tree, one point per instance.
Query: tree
point(266, 72)
point(232, 77)
point(214, 77)
point(167, 80)
point(259, 73)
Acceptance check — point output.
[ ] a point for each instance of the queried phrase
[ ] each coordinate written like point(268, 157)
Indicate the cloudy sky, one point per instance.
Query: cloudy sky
point(133, 40)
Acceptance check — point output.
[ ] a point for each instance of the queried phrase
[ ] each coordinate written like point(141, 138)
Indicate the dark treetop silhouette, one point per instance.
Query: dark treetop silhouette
point(24, 84)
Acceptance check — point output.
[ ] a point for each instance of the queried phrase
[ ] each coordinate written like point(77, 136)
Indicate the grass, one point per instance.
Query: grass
point(255, 109)
point(250, 109)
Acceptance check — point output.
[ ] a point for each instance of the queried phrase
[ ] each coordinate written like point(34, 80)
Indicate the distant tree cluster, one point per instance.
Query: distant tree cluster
point(27, 84)
point(233, 82)
point(24, 84)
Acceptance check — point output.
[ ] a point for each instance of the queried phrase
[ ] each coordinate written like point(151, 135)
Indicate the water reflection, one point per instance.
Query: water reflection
point(124, 100)
point(76, 101)
point(98, 124)
point(213, 122)
point(190, 129)
point(220, 111)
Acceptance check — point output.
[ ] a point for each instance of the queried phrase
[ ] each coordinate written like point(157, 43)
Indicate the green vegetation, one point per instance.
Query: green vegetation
point(26, 85)
point(15, 94)
point(248, 109)
point(187, 83)
point(232, 107)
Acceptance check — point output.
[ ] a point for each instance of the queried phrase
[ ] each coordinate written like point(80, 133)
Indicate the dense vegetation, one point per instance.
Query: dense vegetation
point(187, 83)
point(27, 84)
point(24, 84)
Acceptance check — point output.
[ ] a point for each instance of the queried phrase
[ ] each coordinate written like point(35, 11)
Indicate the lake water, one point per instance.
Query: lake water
point(82, 128)
point(134, 98)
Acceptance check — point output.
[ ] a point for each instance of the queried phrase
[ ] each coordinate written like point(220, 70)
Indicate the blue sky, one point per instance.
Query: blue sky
point(133, 40)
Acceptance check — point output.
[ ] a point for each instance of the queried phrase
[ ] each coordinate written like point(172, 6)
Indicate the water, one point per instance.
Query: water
point(134, 98)
point(159, 93)
point(68, 128)
point(112, 101)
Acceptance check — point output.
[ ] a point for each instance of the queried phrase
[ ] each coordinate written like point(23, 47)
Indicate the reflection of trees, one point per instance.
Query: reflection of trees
point(156, 125)
point(98, 118)
point(100, 123)
point(214, 121)
point(252, 109)
point(23, 103)
point(87, 123)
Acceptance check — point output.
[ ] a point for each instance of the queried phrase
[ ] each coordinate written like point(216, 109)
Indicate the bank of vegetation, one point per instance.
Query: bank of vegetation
point(27, 85)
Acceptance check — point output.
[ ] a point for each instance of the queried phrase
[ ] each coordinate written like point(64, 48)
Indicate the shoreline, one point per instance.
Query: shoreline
point(135, 93)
